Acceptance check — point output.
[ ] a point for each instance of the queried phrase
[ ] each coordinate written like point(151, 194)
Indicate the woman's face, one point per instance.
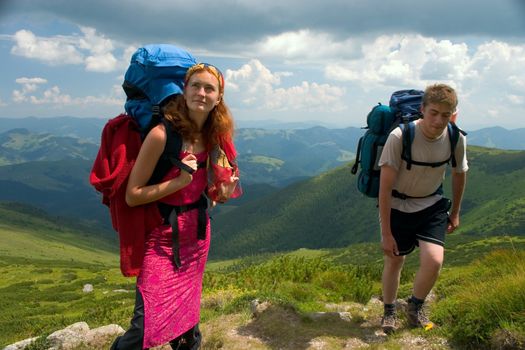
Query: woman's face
point(202, 92)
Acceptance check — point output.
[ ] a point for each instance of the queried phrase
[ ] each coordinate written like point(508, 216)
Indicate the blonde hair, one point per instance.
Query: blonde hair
point(441, 94)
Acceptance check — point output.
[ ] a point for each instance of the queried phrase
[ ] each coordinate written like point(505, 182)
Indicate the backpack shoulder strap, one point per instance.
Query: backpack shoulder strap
point(453, 133)
point(170, 154)
point(357, 156)
point(408, 131)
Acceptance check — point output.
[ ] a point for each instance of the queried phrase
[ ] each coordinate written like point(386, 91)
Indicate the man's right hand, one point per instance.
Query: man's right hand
point(389, 245)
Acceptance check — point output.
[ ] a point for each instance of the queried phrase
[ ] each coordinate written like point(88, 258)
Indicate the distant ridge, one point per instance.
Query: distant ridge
point(327, 211)
point(90, 129)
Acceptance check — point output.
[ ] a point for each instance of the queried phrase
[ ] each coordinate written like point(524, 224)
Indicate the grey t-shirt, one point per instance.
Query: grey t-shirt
point(421, 181)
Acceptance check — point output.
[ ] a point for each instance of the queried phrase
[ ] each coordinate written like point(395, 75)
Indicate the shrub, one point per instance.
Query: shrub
point(488, 299)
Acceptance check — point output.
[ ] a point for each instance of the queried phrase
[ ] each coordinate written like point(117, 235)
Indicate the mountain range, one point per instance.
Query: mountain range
point(327, 211)
point(266, 155)
point(298, 191)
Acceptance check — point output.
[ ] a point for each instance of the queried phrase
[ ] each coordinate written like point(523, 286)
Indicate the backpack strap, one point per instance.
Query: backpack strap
point(453, 133)
point(357, 157)
point(170, 155)
point(397, 194)
point(169, 158)
point(408, 132)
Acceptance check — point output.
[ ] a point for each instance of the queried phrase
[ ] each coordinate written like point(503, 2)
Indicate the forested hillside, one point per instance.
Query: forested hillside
point(328, 211)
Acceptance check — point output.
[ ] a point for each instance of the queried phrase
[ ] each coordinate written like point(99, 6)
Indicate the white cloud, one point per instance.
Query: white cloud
point(516, 100)
point(28, 85)
point(54, 97)
point(305, 46)
point(307, 96)
point(399, 60)
point(101, 58)
point(101, 63)
point(257, 87)
point(92, 50)
point(56, 50)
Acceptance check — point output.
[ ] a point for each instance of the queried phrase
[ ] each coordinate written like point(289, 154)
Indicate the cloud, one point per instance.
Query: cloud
point(92, 50)
point(57, 50)
point(399, 60)
point(257, 87)
point(305, 46)
point(218, 23)
point(54, 97)
point(28, 85)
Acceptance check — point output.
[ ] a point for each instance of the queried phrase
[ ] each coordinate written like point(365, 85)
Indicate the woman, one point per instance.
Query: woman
point(169, 286)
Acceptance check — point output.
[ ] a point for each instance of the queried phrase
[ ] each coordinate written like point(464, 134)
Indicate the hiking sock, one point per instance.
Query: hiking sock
point(416, 301)
point(389, 309)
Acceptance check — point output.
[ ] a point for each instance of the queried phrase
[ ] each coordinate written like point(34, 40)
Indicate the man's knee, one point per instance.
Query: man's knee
point(431, 255)
point(394, 263)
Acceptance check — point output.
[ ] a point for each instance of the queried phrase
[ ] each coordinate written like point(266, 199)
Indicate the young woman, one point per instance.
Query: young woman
point(169, 286)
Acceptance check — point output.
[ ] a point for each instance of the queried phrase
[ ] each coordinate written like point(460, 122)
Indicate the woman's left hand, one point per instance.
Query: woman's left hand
point(226, 189)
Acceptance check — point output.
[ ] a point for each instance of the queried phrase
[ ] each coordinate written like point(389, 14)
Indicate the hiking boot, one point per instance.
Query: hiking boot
point(388, 322)
point(416, 316)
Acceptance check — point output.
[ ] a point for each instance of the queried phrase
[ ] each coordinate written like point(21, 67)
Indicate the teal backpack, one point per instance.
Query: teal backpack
point(402, 112)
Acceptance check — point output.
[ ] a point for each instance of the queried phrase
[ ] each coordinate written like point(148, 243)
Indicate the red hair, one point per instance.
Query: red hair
point(218, 127)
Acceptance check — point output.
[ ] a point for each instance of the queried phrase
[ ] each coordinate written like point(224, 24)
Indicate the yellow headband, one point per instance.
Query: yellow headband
point(209, 68)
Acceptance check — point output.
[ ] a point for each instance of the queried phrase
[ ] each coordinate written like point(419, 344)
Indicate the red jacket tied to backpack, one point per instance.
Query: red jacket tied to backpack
point(119, 148)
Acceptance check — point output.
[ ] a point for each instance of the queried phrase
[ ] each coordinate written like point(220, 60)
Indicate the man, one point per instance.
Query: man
point(412, 210)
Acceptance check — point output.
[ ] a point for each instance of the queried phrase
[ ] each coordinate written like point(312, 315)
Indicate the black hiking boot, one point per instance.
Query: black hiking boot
point(388, 322)
point(417, 317)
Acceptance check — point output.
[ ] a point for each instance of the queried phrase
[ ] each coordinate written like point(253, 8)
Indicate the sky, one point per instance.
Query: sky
point(327, 61)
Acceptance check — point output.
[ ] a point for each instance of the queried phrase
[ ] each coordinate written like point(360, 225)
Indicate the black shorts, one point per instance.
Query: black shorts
point(429, 225)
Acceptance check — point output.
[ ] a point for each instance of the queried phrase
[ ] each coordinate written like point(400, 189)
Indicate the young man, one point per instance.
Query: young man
point(412, 211)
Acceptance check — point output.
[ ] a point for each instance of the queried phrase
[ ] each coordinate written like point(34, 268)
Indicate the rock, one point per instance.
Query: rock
point(258, 308)
point(69, 337)
point(504, 339)
point(75, 335)
point(355, 343)
point(316, 344)
point(102, 335)
point(21, 344)
point(345, 316)
point(88, 288)
point(375, 301)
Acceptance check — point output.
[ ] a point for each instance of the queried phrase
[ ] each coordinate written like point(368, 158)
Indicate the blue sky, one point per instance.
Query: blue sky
point(328, 61)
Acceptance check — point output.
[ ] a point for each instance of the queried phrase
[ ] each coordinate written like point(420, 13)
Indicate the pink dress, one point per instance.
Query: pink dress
point(172, 296)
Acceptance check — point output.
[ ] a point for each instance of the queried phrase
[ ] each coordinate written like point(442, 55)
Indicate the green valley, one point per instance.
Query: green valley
point(327, 211)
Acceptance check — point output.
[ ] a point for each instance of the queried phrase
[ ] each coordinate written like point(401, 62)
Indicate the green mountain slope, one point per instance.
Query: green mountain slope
point(60, 188)
point(328, 211)
point(20, 145)
point(28, 234)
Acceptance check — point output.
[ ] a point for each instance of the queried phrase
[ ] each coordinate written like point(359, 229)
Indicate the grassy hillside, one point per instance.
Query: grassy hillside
point(29, 234)
point(20, 145)
point(328, 211)
point(303, 289)
point(60, 188)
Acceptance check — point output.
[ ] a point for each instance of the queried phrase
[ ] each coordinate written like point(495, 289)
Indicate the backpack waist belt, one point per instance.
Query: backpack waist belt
point(403, 196)
point(170, 213)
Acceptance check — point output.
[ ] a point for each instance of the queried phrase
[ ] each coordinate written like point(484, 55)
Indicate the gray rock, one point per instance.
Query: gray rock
point(21, 344)
point(88, 288)
point(69, 337)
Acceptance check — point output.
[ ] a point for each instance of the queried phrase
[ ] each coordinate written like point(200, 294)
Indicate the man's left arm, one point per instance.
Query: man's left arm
point(459, 181)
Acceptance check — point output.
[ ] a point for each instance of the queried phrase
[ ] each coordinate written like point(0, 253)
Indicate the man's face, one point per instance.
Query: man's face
point(435, 119)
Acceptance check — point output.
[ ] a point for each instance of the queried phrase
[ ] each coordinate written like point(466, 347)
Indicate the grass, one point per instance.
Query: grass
point(484, 298)
point(477, 300)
